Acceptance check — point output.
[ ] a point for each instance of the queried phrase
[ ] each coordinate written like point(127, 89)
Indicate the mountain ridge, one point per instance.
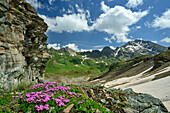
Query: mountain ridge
point(127, 51)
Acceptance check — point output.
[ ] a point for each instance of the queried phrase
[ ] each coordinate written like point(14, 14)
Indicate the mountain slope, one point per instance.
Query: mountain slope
point(138, 48)
point(145, 74)
point(67, 63)
point(128, 51)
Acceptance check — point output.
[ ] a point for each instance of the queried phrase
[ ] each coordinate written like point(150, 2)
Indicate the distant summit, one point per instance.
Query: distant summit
point(107, 51)
point(138, 48)
point(129, 50)
point(67, 50)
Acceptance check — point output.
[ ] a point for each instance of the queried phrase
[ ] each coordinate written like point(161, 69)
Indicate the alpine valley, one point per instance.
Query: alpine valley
point(141, 65)
point(133, 78)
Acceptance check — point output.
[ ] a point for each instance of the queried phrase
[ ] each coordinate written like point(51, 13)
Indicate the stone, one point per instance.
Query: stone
point(30, 8)
point(67, 110)
point(2, 50)
point(20, 38)
point(4, 5)
point(129, 110)
point(103, 100)
point(2, 20)
point(129, 91)
point(98, 111)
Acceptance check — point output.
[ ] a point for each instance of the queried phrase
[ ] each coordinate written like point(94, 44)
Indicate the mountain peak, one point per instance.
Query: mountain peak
point(136, 48)
point(68, 50)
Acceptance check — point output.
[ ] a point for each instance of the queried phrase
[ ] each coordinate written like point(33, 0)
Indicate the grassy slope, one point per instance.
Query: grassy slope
point(70, 66)
point(128, 68)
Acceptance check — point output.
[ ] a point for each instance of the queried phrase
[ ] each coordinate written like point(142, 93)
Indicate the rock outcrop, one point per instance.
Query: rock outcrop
point(126, 101)
point(23, 48)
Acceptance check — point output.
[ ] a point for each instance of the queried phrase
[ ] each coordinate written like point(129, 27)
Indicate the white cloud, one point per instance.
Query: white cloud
point(35, 3)
point(99, 46)
point(112, 47)
point(104, 7)
point(154, 41)
point(107, 39)
point(85, 50)
point(134, 3)
point(50, 1)
point(54, 46)
point(69, 23)
point(72, 46)
point(117, 21)
point(163, 21)
point(138, 27)
point(167, 40)
point(122, 38)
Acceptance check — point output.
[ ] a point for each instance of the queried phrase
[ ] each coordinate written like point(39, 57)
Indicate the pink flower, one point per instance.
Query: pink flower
point(2, 90)
point(60, 97)
point(32, 93)
point(39, 108)
point(82, 101)
point(46, 106)
point(66, 101)
point(28, 94)
point(57, 101)
point(22, 96)
point(61, 103)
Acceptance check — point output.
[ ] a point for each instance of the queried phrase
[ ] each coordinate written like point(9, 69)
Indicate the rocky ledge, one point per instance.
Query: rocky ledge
point(126, 101)
point(23, 48)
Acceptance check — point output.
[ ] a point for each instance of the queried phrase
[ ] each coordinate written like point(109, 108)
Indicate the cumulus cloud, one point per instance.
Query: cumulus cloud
point(122, 38)
point(167, 40)
point(68, 23)
point(54, 46)
point(72, 46)
point(117, 21)
point(107, 39)
point(85, 50)
point(138, 27)
point(35, 3)
point(134, 3)
point(163, 21)
point(104, 7)
point(154, 41)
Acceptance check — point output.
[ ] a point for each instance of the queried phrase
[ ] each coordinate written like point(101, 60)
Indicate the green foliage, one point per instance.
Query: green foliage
point(81, 103)
point(123, 64)
point(64, 64)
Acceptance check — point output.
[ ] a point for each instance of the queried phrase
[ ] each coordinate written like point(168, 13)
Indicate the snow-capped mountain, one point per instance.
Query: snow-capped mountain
point(137, 48)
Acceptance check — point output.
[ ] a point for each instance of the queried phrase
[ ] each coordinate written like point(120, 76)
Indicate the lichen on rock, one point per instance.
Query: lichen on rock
point(23, 47)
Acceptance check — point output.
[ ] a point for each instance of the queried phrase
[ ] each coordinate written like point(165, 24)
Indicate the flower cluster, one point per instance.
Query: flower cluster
point(49, 91)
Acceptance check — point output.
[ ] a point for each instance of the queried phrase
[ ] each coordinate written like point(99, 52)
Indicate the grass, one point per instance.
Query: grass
point(48, 97)
point(72, 66)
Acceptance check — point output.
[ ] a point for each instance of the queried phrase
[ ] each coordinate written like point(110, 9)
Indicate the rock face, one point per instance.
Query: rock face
point(23, 48)
point(129, 50)
point(126, 101)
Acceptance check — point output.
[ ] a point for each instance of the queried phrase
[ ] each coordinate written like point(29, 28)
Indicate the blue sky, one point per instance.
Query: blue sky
point(93, 24)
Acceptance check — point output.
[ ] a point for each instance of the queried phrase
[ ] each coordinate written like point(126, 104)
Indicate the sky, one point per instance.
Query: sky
point(93, 24)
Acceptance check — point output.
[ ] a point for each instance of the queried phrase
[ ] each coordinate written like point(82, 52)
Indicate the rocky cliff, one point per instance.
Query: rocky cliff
point(23, 48)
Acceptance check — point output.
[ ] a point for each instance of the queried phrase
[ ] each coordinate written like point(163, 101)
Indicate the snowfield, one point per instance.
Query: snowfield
point(158, 88)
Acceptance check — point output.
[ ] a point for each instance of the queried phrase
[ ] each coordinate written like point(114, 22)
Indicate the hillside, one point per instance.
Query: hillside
point(67, 63)
point(145, 74)
point(128, 51)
